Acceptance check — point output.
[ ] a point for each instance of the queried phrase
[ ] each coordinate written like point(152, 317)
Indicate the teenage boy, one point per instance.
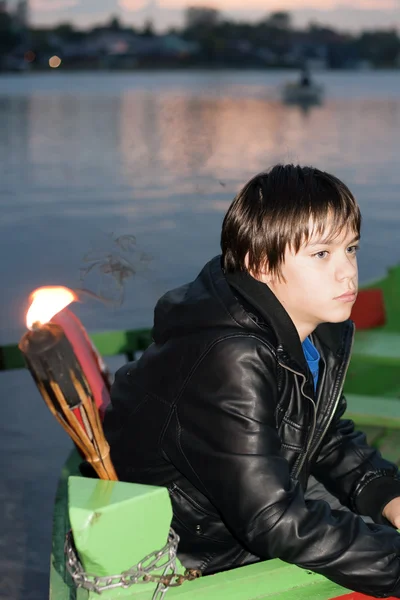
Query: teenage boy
point(238, 402)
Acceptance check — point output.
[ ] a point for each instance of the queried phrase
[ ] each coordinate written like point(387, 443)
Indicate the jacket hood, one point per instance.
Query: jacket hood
point(207, 302)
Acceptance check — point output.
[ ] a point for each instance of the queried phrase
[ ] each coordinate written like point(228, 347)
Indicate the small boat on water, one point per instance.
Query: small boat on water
point(116, 525)
point(304, 92)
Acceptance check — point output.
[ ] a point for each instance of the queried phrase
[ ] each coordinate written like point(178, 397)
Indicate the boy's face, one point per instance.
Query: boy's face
point(320, 282)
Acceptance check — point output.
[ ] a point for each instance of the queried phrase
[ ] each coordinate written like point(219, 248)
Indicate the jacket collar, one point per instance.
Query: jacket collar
point(267, 305)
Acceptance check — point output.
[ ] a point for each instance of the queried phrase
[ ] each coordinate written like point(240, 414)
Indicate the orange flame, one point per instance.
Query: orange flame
point(47, 302)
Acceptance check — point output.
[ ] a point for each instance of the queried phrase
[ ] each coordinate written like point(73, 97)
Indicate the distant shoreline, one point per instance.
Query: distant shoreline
point(193, 68)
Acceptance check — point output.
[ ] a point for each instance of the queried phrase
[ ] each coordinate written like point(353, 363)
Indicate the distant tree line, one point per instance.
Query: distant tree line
point(276, 34)
point(10, 37)
point(272, 41)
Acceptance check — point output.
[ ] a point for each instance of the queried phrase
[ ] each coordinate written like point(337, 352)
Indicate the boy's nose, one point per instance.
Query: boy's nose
point(348, 269)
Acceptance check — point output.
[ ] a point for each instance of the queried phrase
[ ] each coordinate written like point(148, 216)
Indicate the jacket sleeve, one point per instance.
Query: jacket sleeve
point(223, 437)
point(355, 472)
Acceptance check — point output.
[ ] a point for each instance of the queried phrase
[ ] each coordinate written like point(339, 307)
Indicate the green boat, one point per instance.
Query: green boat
point(119, 525)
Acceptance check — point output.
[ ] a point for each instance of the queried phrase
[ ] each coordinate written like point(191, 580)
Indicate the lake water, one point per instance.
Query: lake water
point(89, 160)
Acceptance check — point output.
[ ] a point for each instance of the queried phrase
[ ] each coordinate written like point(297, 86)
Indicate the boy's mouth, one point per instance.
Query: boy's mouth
point(347, 296)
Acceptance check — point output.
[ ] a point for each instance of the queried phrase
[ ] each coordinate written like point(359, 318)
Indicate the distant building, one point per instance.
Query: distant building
point(19, 11)
point(11, 5)
point(21, 14)
point(124, 42)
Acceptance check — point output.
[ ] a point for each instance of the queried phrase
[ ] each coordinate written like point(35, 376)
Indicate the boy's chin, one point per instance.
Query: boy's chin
point(344, 315)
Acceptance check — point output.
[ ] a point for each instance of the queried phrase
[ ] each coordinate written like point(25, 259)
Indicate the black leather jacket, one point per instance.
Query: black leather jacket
point(221, 409)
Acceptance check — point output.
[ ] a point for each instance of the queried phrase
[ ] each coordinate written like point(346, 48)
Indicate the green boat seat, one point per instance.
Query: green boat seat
point(374, 368)
point(377, 411)
point(378, 345)
point(379, 418)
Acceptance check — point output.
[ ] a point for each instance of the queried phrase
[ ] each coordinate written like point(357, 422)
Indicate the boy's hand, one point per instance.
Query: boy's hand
point(392, 512)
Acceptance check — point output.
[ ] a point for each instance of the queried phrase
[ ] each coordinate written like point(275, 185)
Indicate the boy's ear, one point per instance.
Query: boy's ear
point(263, 274)
point(266, 277)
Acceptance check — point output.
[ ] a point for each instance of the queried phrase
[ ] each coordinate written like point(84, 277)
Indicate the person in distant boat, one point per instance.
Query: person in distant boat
point(305, 79)
point(237, 407)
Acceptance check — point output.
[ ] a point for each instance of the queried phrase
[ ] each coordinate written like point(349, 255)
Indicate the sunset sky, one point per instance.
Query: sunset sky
point(344, 14)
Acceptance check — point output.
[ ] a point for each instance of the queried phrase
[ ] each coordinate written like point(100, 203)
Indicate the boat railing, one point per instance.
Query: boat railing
point(110, 343)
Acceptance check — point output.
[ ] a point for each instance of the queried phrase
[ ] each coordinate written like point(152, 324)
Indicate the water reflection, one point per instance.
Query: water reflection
point(71, 138)
point(14, 116)
point(170, 140)
point(161, 158)
point(182, 141)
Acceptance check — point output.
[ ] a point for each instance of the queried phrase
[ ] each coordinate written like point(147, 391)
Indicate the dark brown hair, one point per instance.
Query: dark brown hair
point(284, 207)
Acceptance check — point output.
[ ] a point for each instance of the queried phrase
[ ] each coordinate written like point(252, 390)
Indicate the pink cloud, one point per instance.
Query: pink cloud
point(355, 4)
point(133, 5)
point(270, 5)
point(52, 5)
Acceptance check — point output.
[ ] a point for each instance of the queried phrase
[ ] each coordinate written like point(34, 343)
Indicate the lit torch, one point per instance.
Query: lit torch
point(69, 373)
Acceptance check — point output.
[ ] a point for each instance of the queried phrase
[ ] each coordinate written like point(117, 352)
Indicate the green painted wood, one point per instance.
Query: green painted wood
point(378, 345)
point(374, 434)
point(374, 411)
point(390, 285)
point(11, 358)
point(61, 586)
point(109, 343)
point(132, 519)
point(390, 446)
point(263, 581)
point(372, 379)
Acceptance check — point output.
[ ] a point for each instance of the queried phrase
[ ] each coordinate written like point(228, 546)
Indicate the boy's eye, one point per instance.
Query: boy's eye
point(353, 249)
point(321, 254)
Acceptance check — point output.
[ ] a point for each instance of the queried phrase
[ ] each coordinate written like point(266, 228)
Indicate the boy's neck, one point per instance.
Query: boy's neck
point(303, 329)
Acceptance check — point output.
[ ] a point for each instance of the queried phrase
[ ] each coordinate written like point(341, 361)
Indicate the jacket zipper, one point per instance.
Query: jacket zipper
point(337, 398)
point(300, 466)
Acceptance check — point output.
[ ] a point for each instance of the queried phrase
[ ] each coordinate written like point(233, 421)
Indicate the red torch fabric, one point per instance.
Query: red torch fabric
point(83, 348)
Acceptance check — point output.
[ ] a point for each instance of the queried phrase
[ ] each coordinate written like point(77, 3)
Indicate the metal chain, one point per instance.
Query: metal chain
point(145, 571)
